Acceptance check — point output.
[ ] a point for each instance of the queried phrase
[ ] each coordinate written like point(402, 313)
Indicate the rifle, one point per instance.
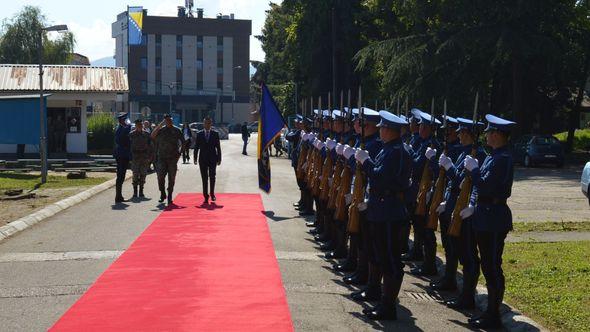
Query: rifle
point(426, 179)
point(337, 175)
point(317, 164)
point(299, 173)
point(439, 187)
point(345, 180)
point(312, 154)
point(466, 185)
point(328, 165)
point(358, 194)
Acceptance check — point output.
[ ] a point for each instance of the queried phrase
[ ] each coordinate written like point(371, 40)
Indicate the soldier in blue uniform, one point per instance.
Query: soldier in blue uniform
point(492, 218)
point(423, 238)
point(460, 248)
point(367, 270)
point(122, 154)
point(388, 175)
point(294, 138)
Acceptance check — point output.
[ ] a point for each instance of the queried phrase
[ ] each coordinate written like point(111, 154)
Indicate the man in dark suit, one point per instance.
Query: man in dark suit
point(207, 142)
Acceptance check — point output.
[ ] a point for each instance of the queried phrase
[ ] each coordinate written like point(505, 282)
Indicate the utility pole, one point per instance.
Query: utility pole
point(333, 56)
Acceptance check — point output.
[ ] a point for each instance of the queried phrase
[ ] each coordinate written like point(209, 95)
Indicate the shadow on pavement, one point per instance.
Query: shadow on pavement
point(271, 215)
point(405, 321)
point(119, 206)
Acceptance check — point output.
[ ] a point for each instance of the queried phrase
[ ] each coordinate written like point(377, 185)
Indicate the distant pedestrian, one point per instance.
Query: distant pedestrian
point(169, 142)
point(186, 132)
point(142, 154)
point(245, 137)
point(122, 154)
point(207, 142)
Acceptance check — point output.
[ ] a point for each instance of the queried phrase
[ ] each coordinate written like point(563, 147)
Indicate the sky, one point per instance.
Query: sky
point(91, 21)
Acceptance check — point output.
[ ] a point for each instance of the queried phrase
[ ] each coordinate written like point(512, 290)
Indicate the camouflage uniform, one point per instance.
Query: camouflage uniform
point(168, 142)
point(141, 152)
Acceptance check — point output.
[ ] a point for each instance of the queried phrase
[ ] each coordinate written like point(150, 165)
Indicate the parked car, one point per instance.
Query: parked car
point(585, 181)
point(531, 150)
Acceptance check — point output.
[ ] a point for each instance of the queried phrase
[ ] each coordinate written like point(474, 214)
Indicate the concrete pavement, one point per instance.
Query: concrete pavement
point(46, 268)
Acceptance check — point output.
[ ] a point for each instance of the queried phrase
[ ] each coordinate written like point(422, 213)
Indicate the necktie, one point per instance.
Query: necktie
point(207, 135)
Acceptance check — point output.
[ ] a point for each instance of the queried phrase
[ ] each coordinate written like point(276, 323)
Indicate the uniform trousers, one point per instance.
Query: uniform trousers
point(208, 171)
point(167, 167)
point(491, 248)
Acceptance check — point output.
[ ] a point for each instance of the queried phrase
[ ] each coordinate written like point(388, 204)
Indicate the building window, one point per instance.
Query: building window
point(158, 87)
point(178, 64)
point(199, 84)
point(158, 40)
point(199, 41)
point(143, 87)
point(143, 62)
point(143, 39)
point(158, 63)
point(179, 41)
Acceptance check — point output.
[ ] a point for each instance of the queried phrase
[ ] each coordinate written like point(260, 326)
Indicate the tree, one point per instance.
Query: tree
point(19, 40)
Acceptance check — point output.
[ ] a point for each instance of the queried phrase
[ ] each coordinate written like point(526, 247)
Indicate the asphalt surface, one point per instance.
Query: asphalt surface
point(45, 269)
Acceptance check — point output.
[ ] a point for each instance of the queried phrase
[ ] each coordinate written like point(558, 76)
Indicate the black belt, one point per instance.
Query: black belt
point(491, 200)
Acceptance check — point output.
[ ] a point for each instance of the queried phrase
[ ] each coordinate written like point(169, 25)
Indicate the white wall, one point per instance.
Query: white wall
point(189, 65)
point(168, 63)
point(151, 65)
point(209, 63)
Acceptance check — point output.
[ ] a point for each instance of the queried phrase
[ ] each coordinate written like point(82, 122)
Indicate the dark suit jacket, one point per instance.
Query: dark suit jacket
point(210, 150)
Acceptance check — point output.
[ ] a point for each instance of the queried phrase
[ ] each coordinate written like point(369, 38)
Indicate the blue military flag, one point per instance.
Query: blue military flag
point(134, 25)
point(270, 123)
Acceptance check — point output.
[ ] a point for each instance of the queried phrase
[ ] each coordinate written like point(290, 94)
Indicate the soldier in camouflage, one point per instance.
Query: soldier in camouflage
point(169, 143)
point(141, 154)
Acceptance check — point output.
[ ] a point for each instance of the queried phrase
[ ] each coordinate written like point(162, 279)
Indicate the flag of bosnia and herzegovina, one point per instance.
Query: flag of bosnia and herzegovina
point(270, 124)
point(134, 25)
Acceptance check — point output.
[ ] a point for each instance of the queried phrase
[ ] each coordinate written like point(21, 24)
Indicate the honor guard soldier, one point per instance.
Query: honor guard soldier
point(388, 175)
point(492, 218)
point(294, 139)
point(169, 142)
point(122, 154)
point(460, 248)
point(141, 152)
point(367, 270)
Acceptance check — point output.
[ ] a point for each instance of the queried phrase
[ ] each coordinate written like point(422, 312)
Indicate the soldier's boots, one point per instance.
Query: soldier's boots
point(162, 196)
point(135, 191)
point(141, 191)
point(386, 310)
point(490, 319)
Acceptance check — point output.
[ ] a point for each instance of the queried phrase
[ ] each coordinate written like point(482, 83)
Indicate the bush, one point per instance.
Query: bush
point(101, 132)
point(581, 139)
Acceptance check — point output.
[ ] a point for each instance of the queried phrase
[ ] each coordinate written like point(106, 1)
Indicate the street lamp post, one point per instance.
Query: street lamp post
point(42, 131)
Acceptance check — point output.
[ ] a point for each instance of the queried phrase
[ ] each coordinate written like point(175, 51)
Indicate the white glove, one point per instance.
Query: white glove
point(407, 146)
point(321, 145)
point(430, 153)
point(445, 162)
point(471, 163)
point(361, 156)
point(441, 208)
point(348, 198)
point(314, 142)
point(331, 144)
point(339, 149)
point(330, 181)
point(362, 206)
point(467, 212)
point(304, 166)
point(348, 152)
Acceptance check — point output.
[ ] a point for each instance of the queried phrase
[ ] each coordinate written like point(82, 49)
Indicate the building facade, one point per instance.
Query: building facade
point(189, 66)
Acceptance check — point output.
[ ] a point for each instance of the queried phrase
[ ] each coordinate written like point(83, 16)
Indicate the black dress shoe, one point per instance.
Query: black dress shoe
point(327, 246)
point(162, 197)
point(347, 266)
point(487, 321)
point(444, 285)
point(425, 272)
point(310, 224)
point(366, 295)
point(335, 255)
point(475, 317)
point(411, 257)
point(306, 213)
point(382, 313)
point(356, 279)
point(213, 198)
point(314, 231)
point(461, 304)
point(367, 310)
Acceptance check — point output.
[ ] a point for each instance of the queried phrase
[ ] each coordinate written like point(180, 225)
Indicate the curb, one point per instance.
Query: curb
point(25, 222)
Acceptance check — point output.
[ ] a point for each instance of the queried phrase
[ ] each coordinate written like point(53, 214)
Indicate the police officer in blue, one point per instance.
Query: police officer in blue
point(388, 175)
point(462, 248)
point(366, 272)
point(492, 218)
point(122, 154)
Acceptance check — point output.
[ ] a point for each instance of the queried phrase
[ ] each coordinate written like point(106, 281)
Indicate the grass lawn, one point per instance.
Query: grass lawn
point(550, 282)
point(576, 226)
point(10, 180)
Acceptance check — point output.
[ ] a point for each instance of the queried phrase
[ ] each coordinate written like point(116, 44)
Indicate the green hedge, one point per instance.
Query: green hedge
point(581, 138)
point(101, 132)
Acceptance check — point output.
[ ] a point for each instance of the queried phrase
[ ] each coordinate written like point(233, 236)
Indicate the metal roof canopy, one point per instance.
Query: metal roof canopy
point(66, 78)
point(24, 96)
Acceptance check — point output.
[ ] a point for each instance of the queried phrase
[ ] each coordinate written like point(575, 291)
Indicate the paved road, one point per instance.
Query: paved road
point(45, 269)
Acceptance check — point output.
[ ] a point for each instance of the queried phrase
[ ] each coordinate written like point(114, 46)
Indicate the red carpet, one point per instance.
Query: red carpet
point(193, 269)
